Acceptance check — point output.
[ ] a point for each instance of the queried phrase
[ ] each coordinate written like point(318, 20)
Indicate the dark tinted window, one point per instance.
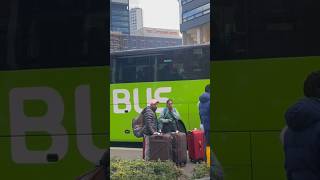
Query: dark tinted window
point(169, 65)
point(186, 64)
point(47, 33)
point(257, 29)
point(134, 69)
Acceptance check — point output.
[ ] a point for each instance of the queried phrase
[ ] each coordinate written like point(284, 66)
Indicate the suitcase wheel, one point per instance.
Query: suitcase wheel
point(181, 164)
point(194, 161)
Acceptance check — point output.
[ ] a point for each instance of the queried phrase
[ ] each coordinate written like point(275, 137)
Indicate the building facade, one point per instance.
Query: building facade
point(136, 20)
point(119, 19)
point(158, 32)
point(120, 42)
point(195, 21)
point(116, 41)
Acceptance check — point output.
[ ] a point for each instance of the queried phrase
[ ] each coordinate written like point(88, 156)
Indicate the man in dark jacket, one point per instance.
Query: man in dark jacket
point(302, 136)
point(150, 121)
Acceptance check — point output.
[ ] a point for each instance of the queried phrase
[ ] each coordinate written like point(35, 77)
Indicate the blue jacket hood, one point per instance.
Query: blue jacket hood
point(303, 114)
point(205, 97)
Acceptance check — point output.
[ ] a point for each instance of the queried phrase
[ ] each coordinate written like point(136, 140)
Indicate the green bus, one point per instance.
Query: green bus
point(179, 73)
point(53, 88)
point(262, 53)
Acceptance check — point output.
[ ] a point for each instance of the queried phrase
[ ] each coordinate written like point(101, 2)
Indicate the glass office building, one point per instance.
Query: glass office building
point(119, 16)
point(195, 21)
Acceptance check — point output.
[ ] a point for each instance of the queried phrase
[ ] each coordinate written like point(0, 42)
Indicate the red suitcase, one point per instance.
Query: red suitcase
point(196, 147)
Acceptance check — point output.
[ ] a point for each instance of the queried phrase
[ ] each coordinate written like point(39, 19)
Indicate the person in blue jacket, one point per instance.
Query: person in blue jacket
point(301, 137)
point(204, 112)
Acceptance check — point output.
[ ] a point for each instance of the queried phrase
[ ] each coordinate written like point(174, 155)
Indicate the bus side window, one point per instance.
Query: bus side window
point(186, 64)
point(145, 69)
point(197, 64)
point(169, 67)
point(135, 69)
point(125, 70)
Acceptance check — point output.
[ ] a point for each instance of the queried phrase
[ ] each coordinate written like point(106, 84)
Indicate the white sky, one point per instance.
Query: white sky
point(158, 13)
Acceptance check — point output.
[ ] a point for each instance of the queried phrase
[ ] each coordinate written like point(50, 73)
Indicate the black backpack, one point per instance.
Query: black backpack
point(138, 125)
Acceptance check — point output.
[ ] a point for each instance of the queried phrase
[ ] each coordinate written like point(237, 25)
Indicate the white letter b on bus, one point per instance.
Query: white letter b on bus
point(125, 100)
point(50, 122)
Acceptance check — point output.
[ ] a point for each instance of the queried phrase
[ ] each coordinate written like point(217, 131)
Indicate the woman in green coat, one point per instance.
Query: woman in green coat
point(169, 117)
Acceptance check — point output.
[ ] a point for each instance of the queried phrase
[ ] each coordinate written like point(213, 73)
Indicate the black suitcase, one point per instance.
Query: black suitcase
point(179, 148)
point(160, 147)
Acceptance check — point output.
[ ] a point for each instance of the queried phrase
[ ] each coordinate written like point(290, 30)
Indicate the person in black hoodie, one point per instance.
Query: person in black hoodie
point(301, 138)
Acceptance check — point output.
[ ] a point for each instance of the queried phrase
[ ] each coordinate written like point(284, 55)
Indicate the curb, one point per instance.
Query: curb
point(205, 178)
